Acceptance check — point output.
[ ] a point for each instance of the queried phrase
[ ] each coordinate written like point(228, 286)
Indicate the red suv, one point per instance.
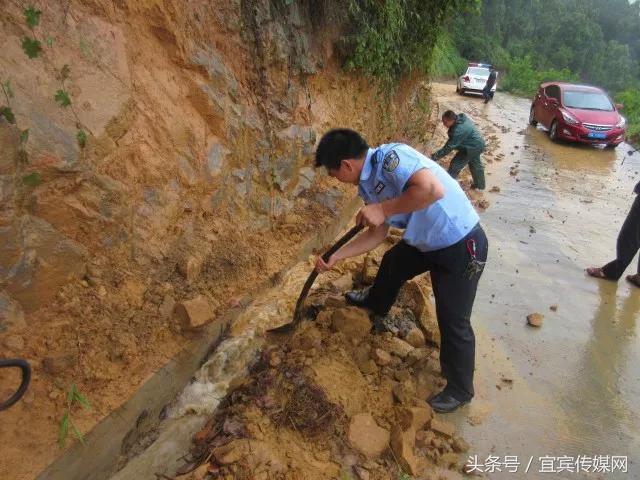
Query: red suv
point(578, 113)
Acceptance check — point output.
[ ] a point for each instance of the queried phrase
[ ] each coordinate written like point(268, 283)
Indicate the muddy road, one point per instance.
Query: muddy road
point(572, 387)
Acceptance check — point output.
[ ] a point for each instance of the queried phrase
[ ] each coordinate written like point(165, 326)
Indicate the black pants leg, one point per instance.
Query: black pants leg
point(454, 293)
point(400, 263)
point(627, 245)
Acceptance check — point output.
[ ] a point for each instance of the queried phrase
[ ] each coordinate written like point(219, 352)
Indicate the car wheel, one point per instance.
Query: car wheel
point(532, 117)
point(553, 131)
point(611, 145)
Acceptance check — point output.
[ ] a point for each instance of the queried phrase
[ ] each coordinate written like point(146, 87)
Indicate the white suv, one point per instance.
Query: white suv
point(475, 78)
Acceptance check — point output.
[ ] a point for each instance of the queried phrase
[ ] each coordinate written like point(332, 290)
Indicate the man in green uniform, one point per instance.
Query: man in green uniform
point(465, 138)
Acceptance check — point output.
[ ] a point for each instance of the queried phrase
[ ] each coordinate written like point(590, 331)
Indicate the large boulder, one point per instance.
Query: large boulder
point(36, 260)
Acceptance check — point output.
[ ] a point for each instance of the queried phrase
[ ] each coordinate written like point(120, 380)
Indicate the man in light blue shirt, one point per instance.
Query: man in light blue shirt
point(442, 235)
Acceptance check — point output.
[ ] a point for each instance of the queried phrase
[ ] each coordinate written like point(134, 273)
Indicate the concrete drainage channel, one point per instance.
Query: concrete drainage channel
point(153, 429)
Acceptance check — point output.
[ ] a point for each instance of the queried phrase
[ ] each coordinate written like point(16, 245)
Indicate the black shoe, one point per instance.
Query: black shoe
point(358, 297)
point(445, 403)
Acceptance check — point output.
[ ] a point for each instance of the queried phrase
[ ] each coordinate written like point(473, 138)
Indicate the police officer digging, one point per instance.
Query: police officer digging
point(442, 235)
point(465, 138)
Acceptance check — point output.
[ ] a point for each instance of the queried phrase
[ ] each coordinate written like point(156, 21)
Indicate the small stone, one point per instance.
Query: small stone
point(368, 367)
point(460, 445)
point(54, 394)
point(167, 306)
point(535, 319)
point(553, 308)
point(190, 267)
point(361, 473)
point(102, 291)
point(366, 436)
point(404, 393)
point(14, 343)
point(352, 321)
point(134, 292)
point(424, 438)
point(324, 318)
point(402, 444)
point(415, 338)
point(415, 418)
point(381, 357)
point(194, 313)
point(495, 189)
point(445, 428)
point(345, 282)
point(402, 375)
point(415, 355)
point(399, 347)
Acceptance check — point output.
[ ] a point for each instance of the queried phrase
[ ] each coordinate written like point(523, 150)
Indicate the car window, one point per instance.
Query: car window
point(552, 91)
point(484, 72)
point(587, 100)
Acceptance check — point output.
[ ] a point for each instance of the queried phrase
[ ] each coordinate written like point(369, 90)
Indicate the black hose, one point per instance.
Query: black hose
point(26, 378)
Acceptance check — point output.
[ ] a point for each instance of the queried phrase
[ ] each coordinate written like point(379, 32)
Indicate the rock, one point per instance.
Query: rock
point(459, 445)
point(381, 357)
point(352, 321)
point(56, 365)
point(424, 438)
point(415, 338)
point(166, 307)
point(307, 339)
point(402, 375)
point(416, 355)
point(553, 308)
point(324, 318)
point(402, 444)
point(399, 347)
point(404, 393)
point(14, 343)
point(361, 473)
point(366, 436)
point(369, 270)
point(414, 417)
point(194, 313)
point(11, 314)
point(535, 319)
point(190, 267)
point(37, 260)
point(495, 189)
point(445, 428)
point(367, 367)
point(345, 282)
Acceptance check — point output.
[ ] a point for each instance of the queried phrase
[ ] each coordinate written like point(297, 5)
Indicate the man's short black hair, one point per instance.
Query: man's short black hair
point(337, 145)
point(449, 115)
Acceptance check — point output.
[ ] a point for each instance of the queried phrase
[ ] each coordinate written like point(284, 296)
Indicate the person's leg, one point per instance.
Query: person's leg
point(627, 244)
point(458, 162)
point(477, 169)
point(455, 291)
point(399, 264)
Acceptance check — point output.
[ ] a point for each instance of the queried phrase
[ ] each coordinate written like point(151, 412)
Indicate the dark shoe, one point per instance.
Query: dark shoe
point(357, 298)
point(445, 403)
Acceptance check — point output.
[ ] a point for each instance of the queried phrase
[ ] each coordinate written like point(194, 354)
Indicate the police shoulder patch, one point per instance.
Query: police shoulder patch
point(391, 161)
point(379, 187)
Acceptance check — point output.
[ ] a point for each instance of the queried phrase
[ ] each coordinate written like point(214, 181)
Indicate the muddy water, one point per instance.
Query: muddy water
point(572, 387)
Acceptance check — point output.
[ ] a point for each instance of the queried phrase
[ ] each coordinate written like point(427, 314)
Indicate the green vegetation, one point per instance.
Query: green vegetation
point(530, 41)
point(390, 38)
point(74, 398)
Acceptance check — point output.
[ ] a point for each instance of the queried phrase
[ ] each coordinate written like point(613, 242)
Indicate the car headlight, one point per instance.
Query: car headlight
point(622, 122)
point(570, 119)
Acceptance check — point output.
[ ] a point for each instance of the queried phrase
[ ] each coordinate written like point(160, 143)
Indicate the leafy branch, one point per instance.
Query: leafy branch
point(32, 47)
point(74, 398)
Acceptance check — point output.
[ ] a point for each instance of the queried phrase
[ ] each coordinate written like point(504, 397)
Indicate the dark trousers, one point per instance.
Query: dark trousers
point(487, 94)
point(472, 158)
point(454, 291)
point(628, 243)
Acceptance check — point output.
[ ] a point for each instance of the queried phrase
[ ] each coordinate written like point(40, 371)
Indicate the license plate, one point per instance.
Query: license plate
point(597, 135)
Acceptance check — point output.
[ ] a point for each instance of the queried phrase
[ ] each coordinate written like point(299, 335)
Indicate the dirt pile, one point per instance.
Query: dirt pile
point(335, 399)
